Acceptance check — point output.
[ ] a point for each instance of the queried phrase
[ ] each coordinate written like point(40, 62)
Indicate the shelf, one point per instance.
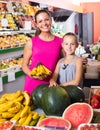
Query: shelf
point(11, 49)
point(16, 31)
point(17, 74)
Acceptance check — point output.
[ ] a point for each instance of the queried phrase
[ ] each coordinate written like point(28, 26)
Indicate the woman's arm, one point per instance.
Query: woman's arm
point(55, 76)
point(26, 58)
point(78, 75)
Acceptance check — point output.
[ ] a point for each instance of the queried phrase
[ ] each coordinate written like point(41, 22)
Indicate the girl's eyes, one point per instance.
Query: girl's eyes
point(70, 44)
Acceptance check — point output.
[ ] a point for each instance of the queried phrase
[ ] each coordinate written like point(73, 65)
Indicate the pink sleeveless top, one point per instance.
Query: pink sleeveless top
point(46, 52)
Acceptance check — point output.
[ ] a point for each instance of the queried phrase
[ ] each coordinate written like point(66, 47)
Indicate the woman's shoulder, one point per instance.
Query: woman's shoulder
point(58, 38)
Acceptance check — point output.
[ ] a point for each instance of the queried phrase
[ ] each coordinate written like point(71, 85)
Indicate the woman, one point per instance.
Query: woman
point(44, 48)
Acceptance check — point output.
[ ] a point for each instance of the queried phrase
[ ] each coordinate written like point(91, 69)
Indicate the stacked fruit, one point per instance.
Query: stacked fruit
point(40, 71)
point(19, 107)
point(95, 99)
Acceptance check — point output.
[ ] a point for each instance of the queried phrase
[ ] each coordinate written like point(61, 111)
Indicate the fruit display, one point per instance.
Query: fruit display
point(40, 71)
point(37, 94)
point(13, 64)
point(78, 113)
point(14, 40)
point(55, 100)
point(76, 94)
point(91, 126)
point(10, 23)
point(95, 98)
point(53, 122)
point(18, 106)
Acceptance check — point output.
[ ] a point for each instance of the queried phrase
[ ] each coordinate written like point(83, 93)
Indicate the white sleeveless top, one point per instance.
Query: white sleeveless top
point(67, 71)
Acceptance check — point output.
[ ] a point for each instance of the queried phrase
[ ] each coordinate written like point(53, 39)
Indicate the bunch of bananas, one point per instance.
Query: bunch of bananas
point(40, 71)
point(19, 106)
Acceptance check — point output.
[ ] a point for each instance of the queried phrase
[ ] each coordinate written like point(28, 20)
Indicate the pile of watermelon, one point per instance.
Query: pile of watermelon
point(65, 105)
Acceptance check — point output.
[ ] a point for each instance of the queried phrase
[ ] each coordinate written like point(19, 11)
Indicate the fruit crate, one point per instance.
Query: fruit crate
point(94, 90)
point(4, 72)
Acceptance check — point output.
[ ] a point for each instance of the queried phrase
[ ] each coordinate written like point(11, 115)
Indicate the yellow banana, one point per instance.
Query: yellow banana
point(25, 110)
point(28, 119)
point(42, 116)
point(11, 96)
point(34, 71)
point(26, 98)
point(35, 115)
point(48, 72)
point(2, 120)
point(7, 115)
point(5, 106)
point(19, 99)
point(16, 116)
point(2, 100)
point(16, 108)
point(22, 120)
point(17, 94)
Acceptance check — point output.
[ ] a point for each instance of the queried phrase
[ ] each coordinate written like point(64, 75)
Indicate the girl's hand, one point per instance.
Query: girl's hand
point(53, 84)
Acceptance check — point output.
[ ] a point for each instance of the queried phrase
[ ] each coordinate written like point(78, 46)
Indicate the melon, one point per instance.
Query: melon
point(55, 100)
point(37, 94)
point(76, 94)
point(55, 122)
point(78, 113)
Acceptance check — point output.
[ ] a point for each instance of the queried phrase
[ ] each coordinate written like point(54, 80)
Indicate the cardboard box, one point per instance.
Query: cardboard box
point(93, 90)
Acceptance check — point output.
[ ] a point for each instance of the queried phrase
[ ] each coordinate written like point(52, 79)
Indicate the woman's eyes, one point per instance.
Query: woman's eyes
point(43, 20)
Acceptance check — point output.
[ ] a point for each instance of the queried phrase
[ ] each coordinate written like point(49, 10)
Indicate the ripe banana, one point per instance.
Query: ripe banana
point(7, 115)
point(26, 98)
point(35, 115)
point(28, 119)
point(5, 106)
point(22, 120)
point(2, 120)
point(34, 71)
point(2, 100)
point(25, 110)
point(42, 116)
point(19, 99)
point(16, 108)
point(16, 116)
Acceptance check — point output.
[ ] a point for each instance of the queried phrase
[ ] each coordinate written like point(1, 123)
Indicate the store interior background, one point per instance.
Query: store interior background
point(84, 15)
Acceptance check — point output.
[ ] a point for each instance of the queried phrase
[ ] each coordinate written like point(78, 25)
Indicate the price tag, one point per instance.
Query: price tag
point(11, 76)
point(27, 25)
point(4, 22)
point(1, 84)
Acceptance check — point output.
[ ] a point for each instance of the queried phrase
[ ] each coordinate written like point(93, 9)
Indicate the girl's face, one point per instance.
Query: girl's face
point(43, 22)
point(69, 44)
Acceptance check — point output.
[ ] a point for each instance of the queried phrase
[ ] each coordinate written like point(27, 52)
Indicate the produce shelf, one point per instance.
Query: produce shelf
point(11, 49)
point(17, 74)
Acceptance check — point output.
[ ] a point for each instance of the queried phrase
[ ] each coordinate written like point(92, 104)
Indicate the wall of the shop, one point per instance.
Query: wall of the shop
point(95, 8)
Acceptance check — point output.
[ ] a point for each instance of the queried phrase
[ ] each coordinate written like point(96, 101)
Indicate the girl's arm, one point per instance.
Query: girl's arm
point(55, 76)
point(26, 58)
point(78, 75)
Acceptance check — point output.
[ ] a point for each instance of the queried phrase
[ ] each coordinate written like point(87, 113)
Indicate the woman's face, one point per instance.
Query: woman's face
point(69, 44)
point(43, 22)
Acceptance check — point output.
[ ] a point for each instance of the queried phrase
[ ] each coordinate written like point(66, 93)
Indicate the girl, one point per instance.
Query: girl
point(68, 70)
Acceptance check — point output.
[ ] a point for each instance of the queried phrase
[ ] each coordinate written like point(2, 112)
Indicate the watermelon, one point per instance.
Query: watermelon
point(55, 100)
point(37, 94)
point(78, 113)
point(76, 94)
point(55, 122)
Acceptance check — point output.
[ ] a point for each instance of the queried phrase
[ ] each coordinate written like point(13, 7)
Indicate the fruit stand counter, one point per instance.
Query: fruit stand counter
point(92, 74)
